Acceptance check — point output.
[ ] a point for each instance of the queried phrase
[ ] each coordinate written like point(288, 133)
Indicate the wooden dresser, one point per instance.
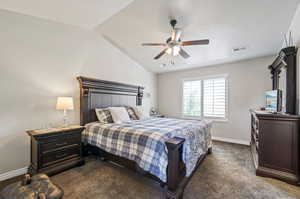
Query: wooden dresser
point(54, 150)
point(275, 145)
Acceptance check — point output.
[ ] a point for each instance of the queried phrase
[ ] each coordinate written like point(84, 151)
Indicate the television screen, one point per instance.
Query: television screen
point(273, 100)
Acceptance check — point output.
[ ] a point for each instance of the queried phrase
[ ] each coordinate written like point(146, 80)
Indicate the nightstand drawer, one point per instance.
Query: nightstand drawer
point(56, 149)
point(57, 142)
point(51, 158)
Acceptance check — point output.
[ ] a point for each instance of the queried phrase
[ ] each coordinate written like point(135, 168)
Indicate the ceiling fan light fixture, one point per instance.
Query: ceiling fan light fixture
point(175, 50)
point(169, 51)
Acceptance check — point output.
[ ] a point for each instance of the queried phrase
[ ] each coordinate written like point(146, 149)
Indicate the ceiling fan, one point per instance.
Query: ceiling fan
point(174, 44)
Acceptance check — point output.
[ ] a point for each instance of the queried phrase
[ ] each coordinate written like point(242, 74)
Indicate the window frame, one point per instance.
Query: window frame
point(201, 78)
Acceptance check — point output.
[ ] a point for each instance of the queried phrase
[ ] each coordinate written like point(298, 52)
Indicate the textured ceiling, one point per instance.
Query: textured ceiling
point(258, 25)
point(83, 13)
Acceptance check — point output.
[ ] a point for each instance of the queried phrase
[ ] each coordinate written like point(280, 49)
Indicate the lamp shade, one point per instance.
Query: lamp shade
point(64, 103)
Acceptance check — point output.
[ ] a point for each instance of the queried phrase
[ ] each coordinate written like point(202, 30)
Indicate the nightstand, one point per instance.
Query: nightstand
point(55, 150)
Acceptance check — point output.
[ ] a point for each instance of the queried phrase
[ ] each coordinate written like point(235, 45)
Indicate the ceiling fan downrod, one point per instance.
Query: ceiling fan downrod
point(173, 23)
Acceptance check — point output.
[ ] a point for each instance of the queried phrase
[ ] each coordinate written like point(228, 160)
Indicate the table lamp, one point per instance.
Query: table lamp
point(65, 103)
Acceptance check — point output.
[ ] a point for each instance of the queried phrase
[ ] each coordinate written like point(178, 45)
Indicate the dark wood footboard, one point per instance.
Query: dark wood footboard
point(176, 180)
point(176, 168)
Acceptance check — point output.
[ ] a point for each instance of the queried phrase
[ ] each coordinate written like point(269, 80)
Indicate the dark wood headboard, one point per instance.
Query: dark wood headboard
point(96, 93)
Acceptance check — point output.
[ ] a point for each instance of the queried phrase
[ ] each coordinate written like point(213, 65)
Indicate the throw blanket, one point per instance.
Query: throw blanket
point(143, 141)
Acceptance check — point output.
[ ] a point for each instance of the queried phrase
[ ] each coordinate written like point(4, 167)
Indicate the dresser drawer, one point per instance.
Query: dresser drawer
point(56, 142)
point(54, 157)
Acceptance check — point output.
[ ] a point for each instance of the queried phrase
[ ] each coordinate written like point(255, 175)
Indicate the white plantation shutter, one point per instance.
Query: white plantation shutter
point(205, 98)
point(214, 97)
point(192, 98)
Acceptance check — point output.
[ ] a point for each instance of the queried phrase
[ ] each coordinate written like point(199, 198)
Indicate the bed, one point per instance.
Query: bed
point(164, 149)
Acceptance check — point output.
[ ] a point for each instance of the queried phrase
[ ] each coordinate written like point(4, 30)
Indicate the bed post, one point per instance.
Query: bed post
point(173, 189)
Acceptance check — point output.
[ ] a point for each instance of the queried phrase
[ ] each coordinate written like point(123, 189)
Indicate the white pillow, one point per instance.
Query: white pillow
point(119, 114)
point(139, 112)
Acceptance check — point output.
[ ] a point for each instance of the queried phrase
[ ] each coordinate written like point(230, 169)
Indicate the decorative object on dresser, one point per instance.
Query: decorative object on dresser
point(54, 150)
point(286, 61)
point(275, 145)
point(65, 103)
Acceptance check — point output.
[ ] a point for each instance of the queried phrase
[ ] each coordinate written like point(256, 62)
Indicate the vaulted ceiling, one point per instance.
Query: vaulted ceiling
point(83, 13)
point(257, 25)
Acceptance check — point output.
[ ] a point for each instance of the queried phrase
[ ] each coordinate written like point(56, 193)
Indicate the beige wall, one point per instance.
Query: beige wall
point(295, 29)
point(39, 61)
point(247, 81)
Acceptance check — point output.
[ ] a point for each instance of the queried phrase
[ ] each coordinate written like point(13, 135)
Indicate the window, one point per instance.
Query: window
point(205, 97)
point(192, 98)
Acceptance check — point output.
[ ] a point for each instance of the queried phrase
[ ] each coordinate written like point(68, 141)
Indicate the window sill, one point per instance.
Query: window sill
point(221, 120)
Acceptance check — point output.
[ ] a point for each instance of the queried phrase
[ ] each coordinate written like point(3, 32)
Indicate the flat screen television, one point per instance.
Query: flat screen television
point(273, 100)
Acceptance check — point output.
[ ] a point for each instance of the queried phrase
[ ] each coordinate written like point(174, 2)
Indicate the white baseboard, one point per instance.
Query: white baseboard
point(229, 140)
point(14, 173)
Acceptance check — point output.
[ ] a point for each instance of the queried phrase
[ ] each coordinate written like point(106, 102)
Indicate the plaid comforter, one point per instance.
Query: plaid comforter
point(143, 141)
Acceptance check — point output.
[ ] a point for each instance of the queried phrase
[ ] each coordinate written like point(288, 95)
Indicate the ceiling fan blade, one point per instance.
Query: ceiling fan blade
point(195, 42)
point(176, 33)
point(161, 54)
point(184, 54)
point(154, 44)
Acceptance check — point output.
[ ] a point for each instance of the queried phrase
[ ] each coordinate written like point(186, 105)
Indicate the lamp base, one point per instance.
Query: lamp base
point(65, 119)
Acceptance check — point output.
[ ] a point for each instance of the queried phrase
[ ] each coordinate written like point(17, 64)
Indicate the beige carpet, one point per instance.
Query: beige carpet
point(227, 173)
